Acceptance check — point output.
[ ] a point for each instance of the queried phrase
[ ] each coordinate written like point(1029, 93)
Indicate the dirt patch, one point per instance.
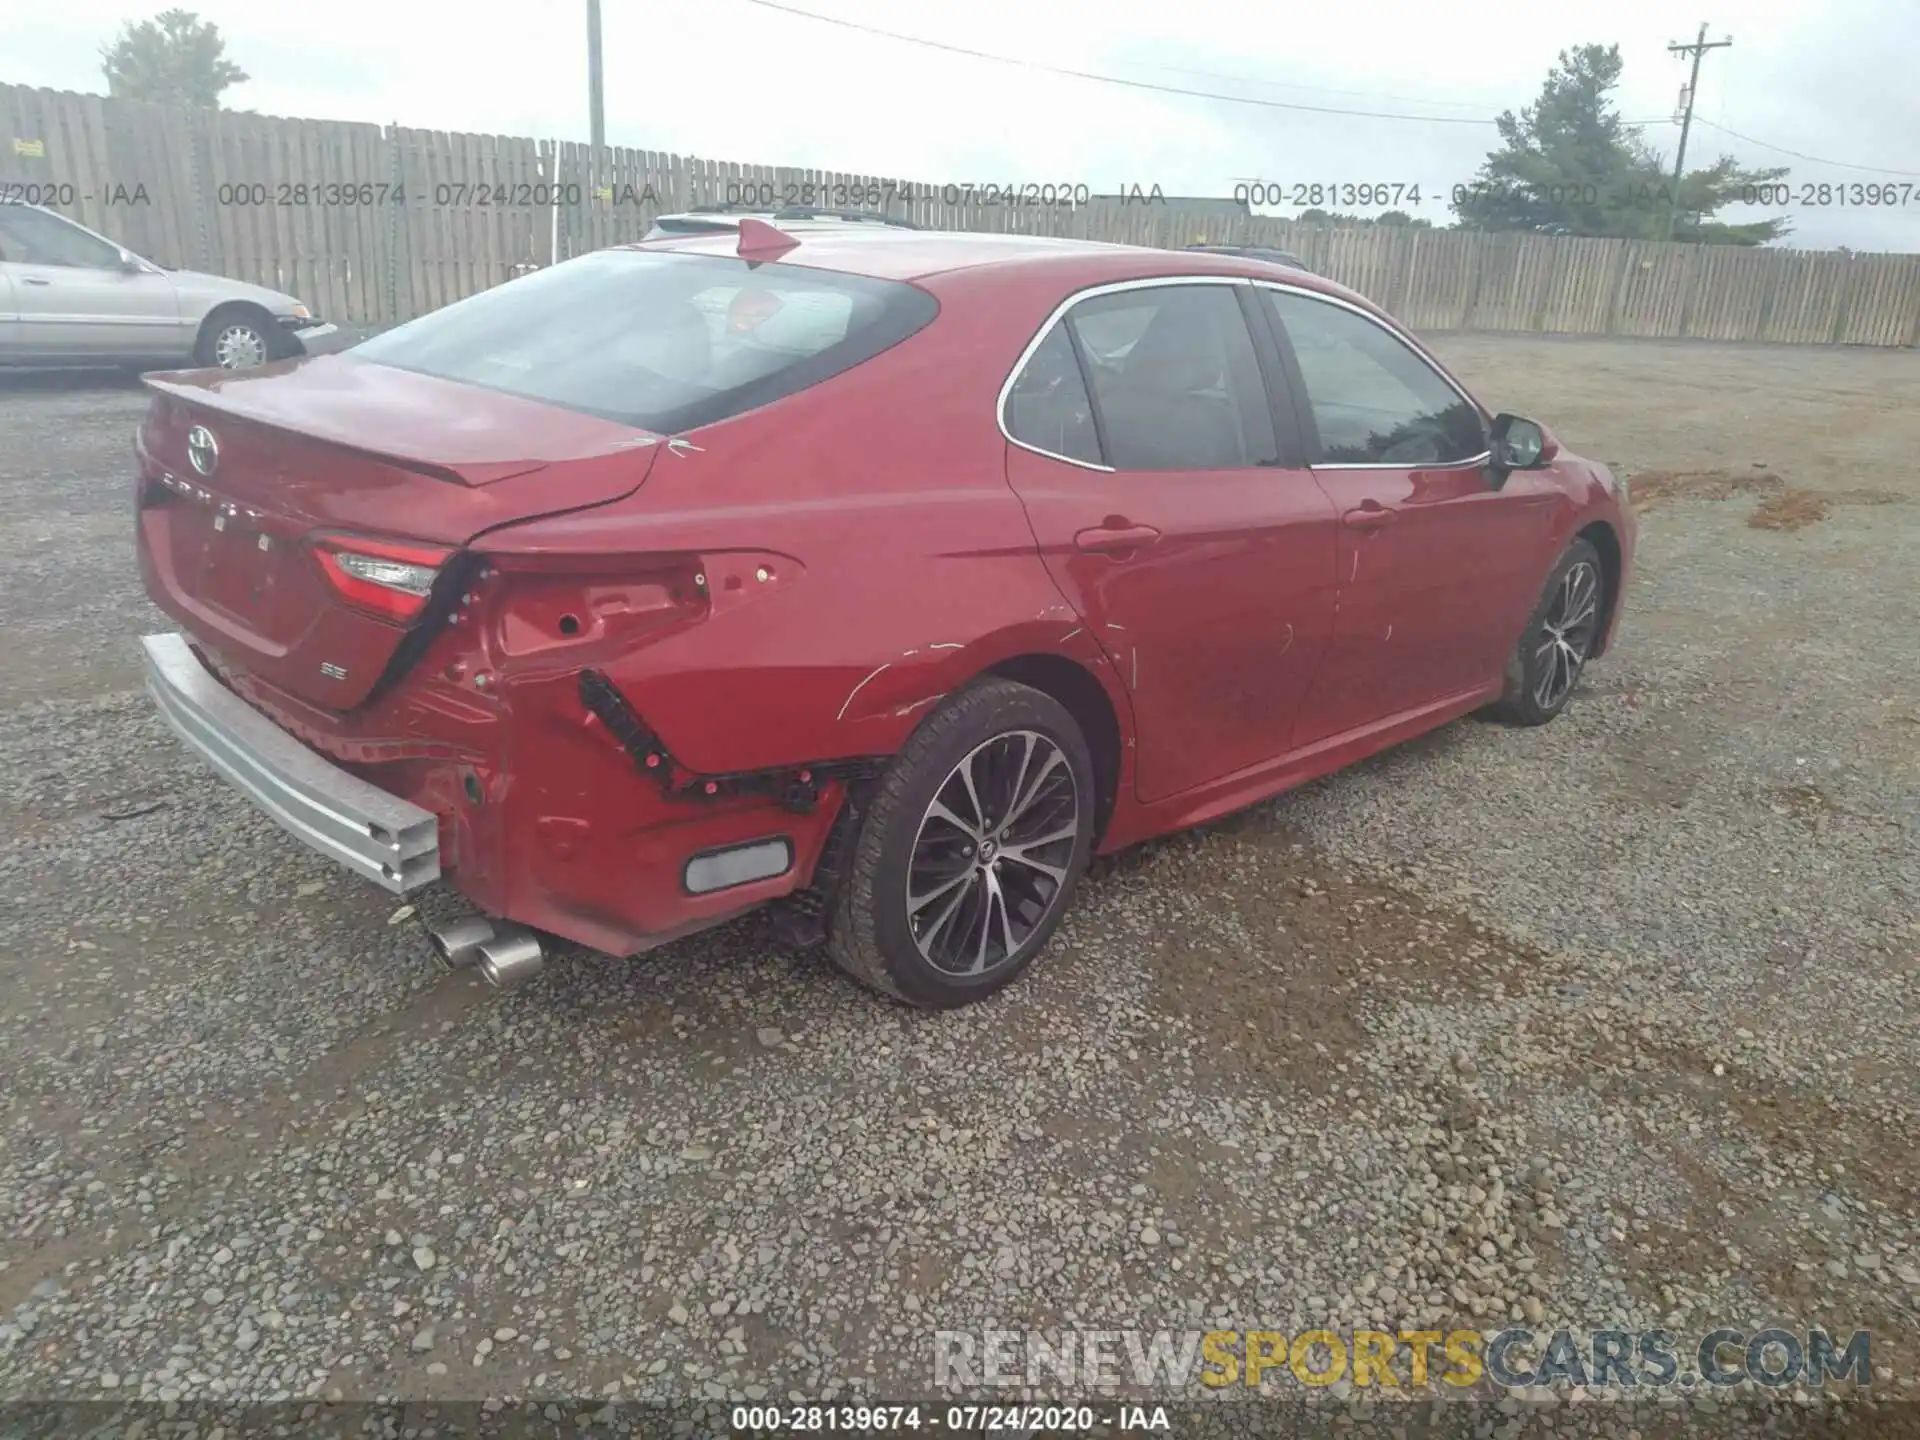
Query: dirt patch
point(1785, 1240)
point(1769, 1209)
point(1805, 802)
point(1782, 506)
point(1651, 488)
point(1789, 510)
point(1295, 953)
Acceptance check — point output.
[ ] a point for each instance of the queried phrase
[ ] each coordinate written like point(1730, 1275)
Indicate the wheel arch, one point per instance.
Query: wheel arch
point(1601, 536)
point(1077, 689)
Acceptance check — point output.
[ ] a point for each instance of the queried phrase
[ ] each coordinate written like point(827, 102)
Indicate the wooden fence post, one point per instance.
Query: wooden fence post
point(1689, 284)
point(198, 195)
point(1619, 286)
point(1545, 299)
point(398, 233)
point(1400, 267)
point(1769, 289)
point(1475, 253)
point(1843, 308)
point(1913, 298)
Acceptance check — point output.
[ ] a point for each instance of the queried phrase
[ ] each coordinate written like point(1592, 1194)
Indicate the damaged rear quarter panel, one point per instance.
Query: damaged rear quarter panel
point(899, 563)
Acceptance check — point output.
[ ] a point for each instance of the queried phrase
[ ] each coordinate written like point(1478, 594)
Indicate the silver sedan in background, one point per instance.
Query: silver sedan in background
point(71, 297)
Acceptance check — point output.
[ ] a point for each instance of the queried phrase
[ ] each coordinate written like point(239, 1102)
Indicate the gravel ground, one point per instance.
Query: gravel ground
point(1604, 1024)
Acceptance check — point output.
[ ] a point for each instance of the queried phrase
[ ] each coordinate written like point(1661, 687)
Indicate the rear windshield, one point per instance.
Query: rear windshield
point(662, 342)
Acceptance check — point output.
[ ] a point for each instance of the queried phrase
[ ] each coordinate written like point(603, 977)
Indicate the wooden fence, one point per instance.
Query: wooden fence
point(373, 225)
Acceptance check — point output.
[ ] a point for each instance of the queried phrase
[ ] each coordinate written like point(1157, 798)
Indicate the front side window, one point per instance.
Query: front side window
point(33, 237)
point(1374, 400)
point(656, 340)
point(1175, 382)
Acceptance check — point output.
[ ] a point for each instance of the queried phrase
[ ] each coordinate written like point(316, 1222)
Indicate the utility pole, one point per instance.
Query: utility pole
point(1698, 49)
point(596, 102)
point(596, 105)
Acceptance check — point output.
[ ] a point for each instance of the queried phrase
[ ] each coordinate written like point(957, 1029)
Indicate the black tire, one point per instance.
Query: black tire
point(233, 319)
point(988, 726)
point(1532, 696)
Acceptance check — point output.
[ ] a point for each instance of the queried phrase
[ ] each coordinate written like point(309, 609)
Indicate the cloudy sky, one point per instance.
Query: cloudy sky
point(738, 80)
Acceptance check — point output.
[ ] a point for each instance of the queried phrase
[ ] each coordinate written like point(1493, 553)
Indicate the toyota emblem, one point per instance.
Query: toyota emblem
point(203, 451)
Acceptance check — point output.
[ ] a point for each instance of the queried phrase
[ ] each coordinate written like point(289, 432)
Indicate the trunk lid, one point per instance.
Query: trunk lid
point(338, 446)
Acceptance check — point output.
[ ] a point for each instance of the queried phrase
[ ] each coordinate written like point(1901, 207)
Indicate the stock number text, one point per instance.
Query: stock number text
point(304, 192)
point(1862, 195)
point(1314, 193)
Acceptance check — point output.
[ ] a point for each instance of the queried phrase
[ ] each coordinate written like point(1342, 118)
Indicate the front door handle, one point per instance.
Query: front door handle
point(33, 280)
point(1370, 515)
point(1108, 539)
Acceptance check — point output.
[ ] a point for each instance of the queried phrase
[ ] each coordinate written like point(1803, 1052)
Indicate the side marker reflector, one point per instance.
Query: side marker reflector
point(738, 865)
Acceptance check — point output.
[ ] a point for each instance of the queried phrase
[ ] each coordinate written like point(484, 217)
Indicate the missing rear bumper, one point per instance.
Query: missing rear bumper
point(378, 836)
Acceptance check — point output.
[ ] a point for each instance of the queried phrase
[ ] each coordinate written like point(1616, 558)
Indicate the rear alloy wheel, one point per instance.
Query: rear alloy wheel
point(970, 850)
point(1547, 663)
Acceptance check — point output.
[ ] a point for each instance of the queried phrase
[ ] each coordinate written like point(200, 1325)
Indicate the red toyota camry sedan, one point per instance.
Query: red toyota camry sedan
point(883, 575)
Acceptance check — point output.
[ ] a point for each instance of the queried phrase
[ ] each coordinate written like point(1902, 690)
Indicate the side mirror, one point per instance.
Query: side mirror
point(131, 263)
point(1517, 443)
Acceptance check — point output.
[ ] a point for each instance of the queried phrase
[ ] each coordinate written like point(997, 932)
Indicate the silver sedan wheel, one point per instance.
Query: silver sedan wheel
point(239, 347)
point(991, 855)
point(1566, 634)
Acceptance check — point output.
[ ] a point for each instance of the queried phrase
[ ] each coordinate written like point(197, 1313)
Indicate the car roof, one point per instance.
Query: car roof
point(886, 253)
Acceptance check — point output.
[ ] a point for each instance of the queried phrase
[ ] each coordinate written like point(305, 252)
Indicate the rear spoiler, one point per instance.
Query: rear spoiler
point(223, 396)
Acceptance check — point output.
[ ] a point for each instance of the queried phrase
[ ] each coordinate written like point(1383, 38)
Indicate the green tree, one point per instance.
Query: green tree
point(174, 59)
point(1569, 165)
point(1317, 216)
point(1704, 192)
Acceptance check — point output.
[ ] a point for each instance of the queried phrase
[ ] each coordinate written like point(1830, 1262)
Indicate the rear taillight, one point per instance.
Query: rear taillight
point(389, 578)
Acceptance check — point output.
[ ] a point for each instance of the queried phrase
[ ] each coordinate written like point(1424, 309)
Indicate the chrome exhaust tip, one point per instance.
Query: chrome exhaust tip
point(512, 957)
point(456, 946)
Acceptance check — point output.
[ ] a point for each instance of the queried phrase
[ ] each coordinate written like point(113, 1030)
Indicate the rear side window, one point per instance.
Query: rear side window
point(1048, 409)
point(660, 341)
point(1175, 382)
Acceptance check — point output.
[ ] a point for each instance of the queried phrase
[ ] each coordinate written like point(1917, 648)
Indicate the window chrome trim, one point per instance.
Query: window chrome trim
point(1418, 351)
point(1116, 287)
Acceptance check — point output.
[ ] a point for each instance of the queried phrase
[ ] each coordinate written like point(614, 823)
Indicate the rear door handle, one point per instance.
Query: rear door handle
point(1370, 515)
point(32, 280)
point(1106, 539)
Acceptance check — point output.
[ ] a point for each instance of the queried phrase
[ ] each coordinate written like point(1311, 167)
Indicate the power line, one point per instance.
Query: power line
point(1317, 89)
point(1251, 100)
point(1112, 79)
point(1810, 159)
